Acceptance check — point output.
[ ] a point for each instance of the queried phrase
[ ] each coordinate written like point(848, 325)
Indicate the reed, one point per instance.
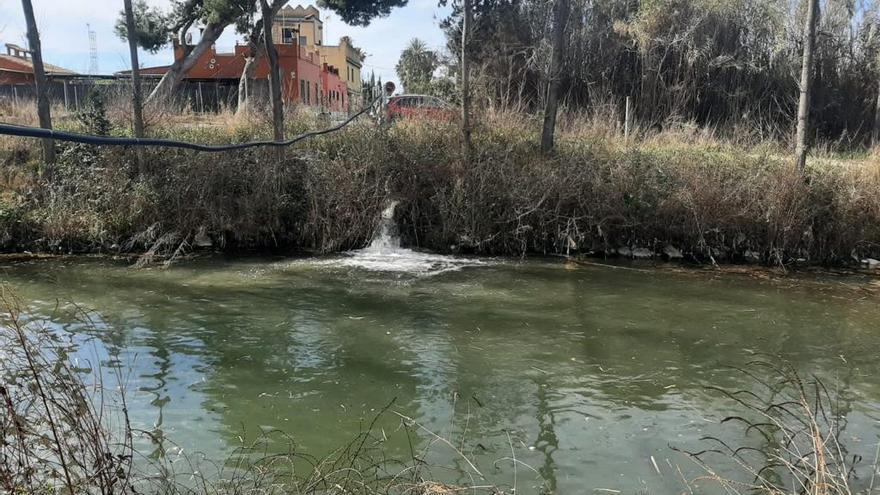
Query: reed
point(711, 197)
point(798, 426)
point(65, 429)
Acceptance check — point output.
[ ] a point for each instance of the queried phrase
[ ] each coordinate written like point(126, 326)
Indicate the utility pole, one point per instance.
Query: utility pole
point(803, 123)
point(465, 83)
point(136, 96)
point(40, 82)
point(560, 19)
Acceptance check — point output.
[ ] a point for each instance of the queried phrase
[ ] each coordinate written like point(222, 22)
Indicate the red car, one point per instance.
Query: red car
point(419, 106)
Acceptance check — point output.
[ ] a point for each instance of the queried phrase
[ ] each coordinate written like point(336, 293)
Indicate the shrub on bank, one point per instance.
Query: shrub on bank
point(595, 194)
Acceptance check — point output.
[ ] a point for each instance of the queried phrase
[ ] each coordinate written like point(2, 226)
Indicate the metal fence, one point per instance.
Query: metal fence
point(71, 94)
point(201, 97)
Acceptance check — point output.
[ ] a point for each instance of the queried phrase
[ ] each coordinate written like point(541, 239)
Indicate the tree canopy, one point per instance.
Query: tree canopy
point(361, 12)
point(152, 28)
point(710, 62)
point(416, 67)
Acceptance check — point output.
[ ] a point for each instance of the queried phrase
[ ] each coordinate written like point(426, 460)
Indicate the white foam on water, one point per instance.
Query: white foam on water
point(384, 254)
point(404, 261)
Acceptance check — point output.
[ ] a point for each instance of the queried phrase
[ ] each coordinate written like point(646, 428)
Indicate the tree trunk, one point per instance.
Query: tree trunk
point(560, 19)
point(274, 73)
point(875, 137)
point(250, 65)
point(244, 83)
point(136, 97)
point(255, 52)
point(171, 80)
point(465, 83)
point(803, 123)
point(40, 82)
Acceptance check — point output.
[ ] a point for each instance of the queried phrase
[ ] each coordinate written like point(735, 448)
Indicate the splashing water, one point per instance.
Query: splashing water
point(386, 238)
point(384, 253)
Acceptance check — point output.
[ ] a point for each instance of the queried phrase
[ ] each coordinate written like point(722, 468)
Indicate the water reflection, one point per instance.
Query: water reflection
point(596, 370)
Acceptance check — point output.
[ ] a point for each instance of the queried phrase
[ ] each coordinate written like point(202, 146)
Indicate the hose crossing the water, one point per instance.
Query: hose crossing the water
point(74, 137)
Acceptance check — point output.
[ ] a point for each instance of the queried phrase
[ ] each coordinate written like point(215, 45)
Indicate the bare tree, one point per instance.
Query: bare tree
point(560, 19)
point(274, 74)
point(136, 96)
point(40, 80)
point(875, 135)
point(803, 122)
point(216, 15)
point(255, 53)
point(467, 20)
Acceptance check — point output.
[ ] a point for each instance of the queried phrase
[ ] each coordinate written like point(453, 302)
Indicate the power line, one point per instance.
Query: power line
point(74, 137)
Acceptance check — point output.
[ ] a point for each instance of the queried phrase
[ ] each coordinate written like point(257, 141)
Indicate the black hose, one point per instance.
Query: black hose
point(36, 132)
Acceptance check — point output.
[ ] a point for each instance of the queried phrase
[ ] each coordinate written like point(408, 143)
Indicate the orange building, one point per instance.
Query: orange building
point(304, 79)
point(16, 67)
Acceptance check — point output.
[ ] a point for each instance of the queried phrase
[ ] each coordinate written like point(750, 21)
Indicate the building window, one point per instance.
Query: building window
point(287, 36)
point(303, 41)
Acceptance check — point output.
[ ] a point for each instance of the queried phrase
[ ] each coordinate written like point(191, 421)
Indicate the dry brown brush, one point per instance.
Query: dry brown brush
point(791, 429)
point(597, 194)
point(56, 432)
point(65, 429)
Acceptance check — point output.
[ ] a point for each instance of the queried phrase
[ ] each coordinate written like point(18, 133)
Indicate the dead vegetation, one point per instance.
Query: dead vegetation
point(791, 430)
point(65, 428)
point(709, 198)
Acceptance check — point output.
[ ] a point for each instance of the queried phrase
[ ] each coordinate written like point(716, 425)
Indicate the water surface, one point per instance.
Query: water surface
point(586, 372)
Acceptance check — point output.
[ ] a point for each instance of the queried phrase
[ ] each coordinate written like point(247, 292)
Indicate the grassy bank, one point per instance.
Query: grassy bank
point(684, 191)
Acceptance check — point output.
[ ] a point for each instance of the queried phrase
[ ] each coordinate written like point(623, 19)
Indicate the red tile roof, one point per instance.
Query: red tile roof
point(10, 63)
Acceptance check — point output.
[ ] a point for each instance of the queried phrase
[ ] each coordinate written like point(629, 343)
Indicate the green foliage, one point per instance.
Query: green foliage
point(90, 119)
point(185, 13)
point(152, 29)
point(361, 12)
point(226, 11)
point(416, 67)
point(93, 114)
point(720, 63)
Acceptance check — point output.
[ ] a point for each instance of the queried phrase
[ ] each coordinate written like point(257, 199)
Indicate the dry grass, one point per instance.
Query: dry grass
point(713, 198)
point(794, 426)
point(57, 433)
point(63, 431)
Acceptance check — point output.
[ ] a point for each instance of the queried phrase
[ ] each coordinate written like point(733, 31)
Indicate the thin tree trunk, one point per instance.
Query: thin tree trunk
point(256, 52)
point(171, 80)
point(40, 82)
point(136, 96)
point(803, 123)
point(244, 83)
point(274, 73)
point(560, 19)
point(250, 65)
point(465, 83)
point(875, 140)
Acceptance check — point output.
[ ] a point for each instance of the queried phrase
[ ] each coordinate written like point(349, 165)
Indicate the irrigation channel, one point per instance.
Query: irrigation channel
point(588, 374)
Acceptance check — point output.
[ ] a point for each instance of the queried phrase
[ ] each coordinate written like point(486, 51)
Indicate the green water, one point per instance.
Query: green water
point(586, 373)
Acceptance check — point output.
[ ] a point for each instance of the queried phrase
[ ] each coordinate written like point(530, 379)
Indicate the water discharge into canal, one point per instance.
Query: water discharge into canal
point(385, 254)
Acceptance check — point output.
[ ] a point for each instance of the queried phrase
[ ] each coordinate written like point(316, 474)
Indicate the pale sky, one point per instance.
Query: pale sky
point(64, 35)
